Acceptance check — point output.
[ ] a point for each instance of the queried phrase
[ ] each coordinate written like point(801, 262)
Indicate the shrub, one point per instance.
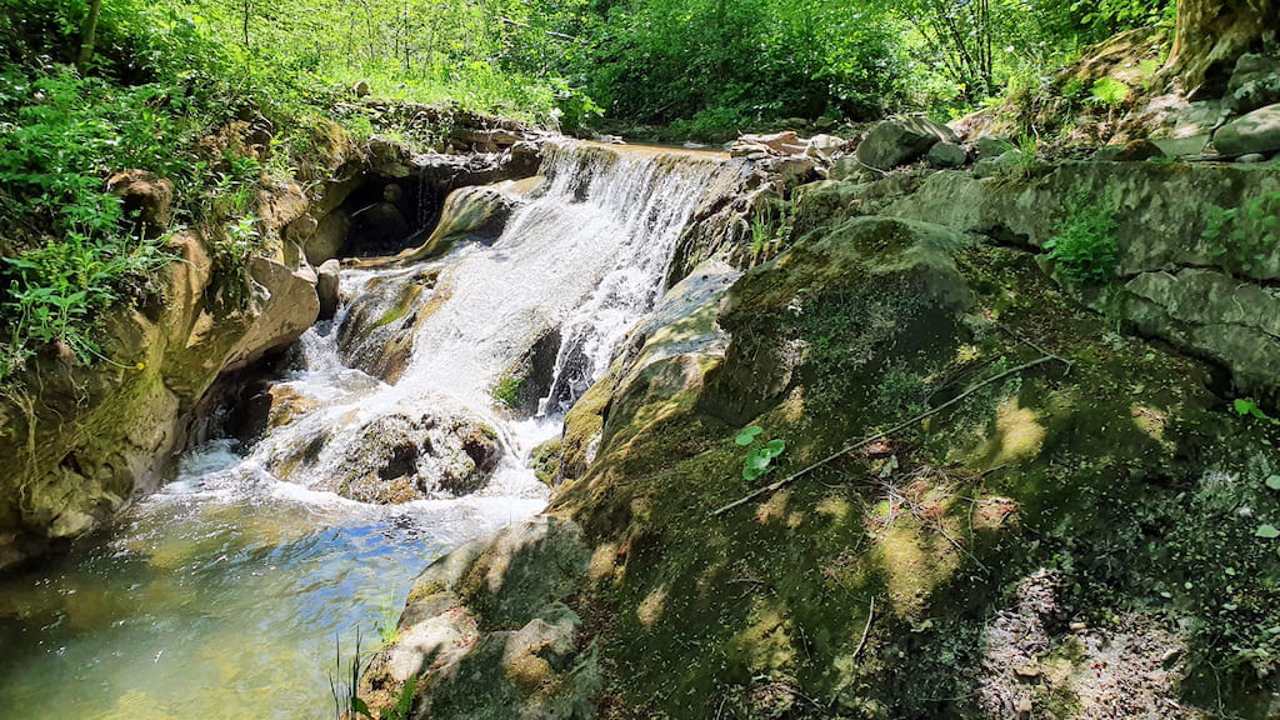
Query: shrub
point(1085, 250)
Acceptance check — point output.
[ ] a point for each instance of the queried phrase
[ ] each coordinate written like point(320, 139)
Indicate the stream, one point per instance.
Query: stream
point(222, 596)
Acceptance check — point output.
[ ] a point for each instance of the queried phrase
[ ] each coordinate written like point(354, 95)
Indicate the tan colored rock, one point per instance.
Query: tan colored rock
point(145, 193)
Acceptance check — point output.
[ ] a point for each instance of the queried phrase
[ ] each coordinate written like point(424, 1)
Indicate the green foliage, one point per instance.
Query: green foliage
point(1246, 407)
point(507, 390)
point(1108, 92)
point(404, 703)
point(771, 228)
point(759, 461)
point(1085, 250)
point(1244, 239)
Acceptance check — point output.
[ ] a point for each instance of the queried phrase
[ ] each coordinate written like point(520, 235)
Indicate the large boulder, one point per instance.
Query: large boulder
point(392, 458)
point(1254, 83)
point(898, 141)
point(485, 635)
point(1256, 132)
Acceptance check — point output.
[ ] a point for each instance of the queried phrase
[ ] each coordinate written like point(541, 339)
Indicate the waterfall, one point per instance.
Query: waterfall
point(236, 577)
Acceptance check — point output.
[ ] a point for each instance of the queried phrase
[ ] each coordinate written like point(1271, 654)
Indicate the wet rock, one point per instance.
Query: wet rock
point(947, 155)
point(898, 141)
point(378, 331)
point(146, 194)
point(1251, 158)
point(400, 457)
point(994, 166)
point(1256, 132)
point(327, 283)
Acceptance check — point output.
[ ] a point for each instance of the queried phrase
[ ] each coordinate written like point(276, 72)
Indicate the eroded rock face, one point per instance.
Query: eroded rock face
point(487, 635)
point(95, 436)
point(1182, 283)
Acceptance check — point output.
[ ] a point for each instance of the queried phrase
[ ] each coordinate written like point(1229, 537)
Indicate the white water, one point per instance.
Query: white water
point(220, 596)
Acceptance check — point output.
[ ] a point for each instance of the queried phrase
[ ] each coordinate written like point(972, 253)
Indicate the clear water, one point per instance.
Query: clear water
point(222, 596)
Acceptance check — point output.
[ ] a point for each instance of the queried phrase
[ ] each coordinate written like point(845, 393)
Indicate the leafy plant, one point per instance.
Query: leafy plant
point(1108, 92)
point(1085, 250)
point(507, 390)
point(1243, 239)
point(759, 461)
point(1247, 407)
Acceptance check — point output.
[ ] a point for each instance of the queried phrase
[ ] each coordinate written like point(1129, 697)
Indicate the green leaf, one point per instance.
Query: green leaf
point(751, 474)
point(775, 448)
point(748, 435)
point(359, 706)
point(1273, 482)
point(759, 459)
point(1245, 406)
point(1267, 532)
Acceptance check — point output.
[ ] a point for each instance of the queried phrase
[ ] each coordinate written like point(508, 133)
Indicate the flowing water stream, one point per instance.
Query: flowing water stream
point(222, 595)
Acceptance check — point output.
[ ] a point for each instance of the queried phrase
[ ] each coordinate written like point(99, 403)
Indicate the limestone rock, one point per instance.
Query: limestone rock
point(947, 155)
point(991, 146)
point(1254, 83)
point(146, 194)
point(400, 457)
point(1256, 132)
point(329, 238)
point(327, 288)
point(486, 631)
point(897, 141)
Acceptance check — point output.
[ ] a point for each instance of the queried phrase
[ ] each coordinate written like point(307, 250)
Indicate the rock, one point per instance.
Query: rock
point(329, 239)
point(361, 88)
point(327, 288)
point(991, 167)
point(1251, 158)
point(476, 214)
point(399, 457)
point(991, 146)
point(1134, 151)
point(146, 194)
point(271, 407)
point(824, 146)
point(1254, 83)
point(947, 155)
point(1256, 132)
point(782, 143)
point(897, 141)
point(486, 631)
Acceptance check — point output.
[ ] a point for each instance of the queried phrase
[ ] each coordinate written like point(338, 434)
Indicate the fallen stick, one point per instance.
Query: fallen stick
point(774, 487)
point(871, 615)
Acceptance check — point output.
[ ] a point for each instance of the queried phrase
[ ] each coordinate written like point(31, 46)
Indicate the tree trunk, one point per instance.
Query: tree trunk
point(88, 35)
point(1211, 34)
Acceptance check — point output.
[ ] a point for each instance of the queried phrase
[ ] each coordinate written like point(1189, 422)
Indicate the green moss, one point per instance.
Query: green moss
point(507, 390)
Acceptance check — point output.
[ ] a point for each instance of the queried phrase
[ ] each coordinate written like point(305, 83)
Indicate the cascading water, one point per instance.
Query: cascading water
point(220, 597)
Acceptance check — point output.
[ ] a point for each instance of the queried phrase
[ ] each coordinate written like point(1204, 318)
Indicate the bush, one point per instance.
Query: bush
point(1085, 250)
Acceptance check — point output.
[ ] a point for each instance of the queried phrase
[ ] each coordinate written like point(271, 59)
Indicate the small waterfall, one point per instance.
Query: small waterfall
point(220, 596)
point(583, 257)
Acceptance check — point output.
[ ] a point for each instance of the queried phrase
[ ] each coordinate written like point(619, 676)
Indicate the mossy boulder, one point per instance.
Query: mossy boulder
point(484, 633)
point(901, 577)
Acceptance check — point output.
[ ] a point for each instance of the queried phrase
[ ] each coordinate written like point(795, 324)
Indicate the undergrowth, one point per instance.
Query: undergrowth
point(1084, 251)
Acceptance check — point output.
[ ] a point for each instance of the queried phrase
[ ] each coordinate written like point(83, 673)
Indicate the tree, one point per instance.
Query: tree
point(1211, 34)
point(88, 34)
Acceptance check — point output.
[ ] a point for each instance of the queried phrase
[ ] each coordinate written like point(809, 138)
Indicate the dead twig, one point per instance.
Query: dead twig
point(774, 487)
point(871, 615)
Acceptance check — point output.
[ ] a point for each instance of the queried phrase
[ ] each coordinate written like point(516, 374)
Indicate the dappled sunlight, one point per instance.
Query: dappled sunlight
point(650, 610)
point(765, 645)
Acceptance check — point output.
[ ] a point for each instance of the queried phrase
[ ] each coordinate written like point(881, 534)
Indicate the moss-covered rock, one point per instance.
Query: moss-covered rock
point(484, 633)
point(85, 439)
point(884, 582)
